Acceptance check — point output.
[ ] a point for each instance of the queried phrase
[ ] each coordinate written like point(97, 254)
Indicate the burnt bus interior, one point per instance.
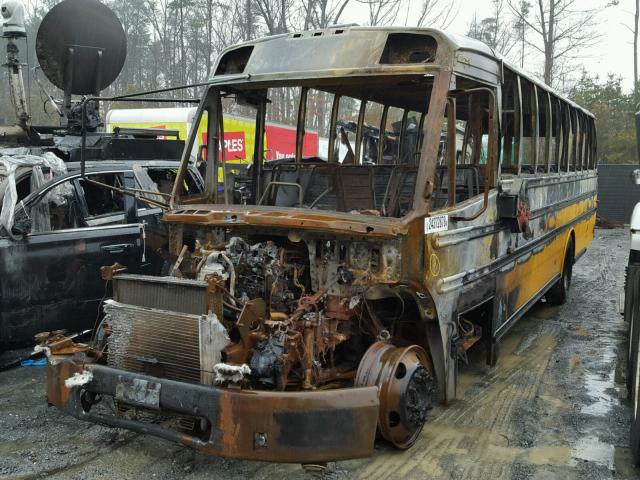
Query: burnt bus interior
point(361, 171)
point(551, 134)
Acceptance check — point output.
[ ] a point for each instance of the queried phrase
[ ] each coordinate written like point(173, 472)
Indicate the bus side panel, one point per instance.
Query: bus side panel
point(535, 270)
point(531, 274)
point(584, 233)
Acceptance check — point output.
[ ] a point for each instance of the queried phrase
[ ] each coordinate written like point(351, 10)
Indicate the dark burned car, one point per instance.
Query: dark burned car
point(64, 231)
point(57, 227)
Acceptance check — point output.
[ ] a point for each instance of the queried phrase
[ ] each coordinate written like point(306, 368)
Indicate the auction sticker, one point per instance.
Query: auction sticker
point(437, 223)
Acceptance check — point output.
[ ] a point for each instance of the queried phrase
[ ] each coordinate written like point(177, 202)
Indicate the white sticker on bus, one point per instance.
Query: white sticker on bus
point(435, 224)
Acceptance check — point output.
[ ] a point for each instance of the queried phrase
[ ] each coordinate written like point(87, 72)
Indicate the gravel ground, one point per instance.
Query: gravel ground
point(554, 407)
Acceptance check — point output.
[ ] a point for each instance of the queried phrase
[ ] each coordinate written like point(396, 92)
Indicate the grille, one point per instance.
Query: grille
point(160, 327)
point(157, 342)
point(163, 293)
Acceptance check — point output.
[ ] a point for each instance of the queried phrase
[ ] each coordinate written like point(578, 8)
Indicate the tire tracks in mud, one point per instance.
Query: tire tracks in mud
point(525, 417)
point(69, 468)
point(480, 425)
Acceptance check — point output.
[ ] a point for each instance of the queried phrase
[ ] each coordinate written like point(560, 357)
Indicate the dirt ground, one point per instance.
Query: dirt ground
point(554, 407)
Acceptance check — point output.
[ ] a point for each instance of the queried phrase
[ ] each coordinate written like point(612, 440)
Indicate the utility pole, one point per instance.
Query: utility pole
point(635, 49)
point(522, 11)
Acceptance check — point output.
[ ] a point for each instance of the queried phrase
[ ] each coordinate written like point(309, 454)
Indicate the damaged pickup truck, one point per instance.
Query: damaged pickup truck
point(313, 301)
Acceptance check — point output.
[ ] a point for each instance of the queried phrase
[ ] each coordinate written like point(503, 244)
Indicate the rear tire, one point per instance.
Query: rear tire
point(635, 413)
point(631, 314)
point(632, 288)
point(557, 295)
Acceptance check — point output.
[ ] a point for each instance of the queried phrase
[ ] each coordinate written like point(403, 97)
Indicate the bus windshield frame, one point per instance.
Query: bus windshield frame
point(410, 97)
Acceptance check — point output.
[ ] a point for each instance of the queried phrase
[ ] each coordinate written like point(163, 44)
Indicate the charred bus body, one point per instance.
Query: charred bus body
point(318, 299)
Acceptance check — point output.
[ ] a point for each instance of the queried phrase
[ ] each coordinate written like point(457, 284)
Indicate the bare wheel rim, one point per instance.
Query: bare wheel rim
point(406, 386)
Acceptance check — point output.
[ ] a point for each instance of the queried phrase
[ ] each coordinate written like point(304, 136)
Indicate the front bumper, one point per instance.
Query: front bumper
point(291, 427)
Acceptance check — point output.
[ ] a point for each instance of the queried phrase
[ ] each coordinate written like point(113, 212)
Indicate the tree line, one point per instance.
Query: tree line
point(176, 42)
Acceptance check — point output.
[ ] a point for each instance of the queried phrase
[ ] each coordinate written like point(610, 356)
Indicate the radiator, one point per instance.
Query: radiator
point(152, 341)
point(164, 293)
point(160, 326)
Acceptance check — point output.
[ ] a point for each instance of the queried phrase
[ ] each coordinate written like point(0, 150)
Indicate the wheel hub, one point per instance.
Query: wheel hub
point(417, 401)
point(406, 389)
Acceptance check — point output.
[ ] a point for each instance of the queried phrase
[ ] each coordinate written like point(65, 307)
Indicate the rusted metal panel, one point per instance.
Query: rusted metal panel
point(296, 427)
point(204, 214)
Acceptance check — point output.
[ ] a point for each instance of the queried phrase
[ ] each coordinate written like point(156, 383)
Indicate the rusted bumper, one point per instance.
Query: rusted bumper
point(293, 427)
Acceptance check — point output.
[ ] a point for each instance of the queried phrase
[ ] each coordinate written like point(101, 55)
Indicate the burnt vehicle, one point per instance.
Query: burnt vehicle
point(62, 233)
point(315, 301)
point(57, 230)
point(24, 169)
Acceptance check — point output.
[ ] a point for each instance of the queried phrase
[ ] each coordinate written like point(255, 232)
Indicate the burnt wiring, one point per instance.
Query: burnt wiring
point(469, 330)
point(44, 96)
point(96, 323)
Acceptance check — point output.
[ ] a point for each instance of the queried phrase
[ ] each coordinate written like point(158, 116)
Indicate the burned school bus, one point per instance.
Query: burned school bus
point(313, 301)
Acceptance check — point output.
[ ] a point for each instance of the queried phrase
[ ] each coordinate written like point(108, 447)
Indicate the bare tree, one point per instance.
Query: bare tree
point(495, 30)
point(382, 12)
point(322, 13)
point(208, 12)
point(160, 19)
point(437, 13)
point(244, 20)
point(562, 29)
point(521, 27)
point(275, 14)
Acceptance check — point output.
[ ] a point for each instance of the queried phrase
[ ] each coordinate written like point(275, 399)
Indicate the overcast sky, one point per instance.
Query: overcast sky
point(612, 54)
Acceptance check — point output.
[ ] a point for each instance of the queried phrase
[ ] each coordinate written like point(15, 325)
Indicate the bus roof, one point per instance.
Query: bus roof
point(351, 51)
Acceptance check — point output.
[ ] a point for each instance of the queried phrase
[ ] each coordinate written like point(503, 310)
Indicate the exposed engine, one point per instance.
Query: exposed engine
point(260, 313)
point(267, 312)
point(288, 334)
point(261, 270)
